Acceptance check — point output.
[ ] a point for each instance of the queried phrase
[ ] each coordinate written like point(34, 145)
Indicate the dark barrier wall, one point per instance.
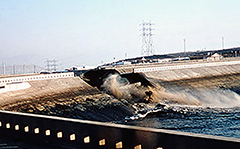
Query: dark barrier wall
point(65, 132)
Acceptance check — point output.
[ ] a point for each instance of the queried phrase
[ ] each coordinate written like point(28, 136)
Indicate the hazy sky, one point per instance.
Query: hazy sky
point(77, 32)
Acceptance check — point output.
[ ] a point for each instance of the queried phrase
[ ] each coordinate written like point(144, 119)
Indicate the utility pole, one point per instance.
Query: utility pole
point(147, 38)
point(4, 68)
point(222, 42)
point(14, 69)
point(184, 45)
point(24, 68)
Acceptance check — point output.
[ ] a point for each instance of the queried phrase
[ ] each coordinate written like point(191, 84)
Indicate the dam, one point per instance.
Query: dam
point(67, 111)
point(219, 72)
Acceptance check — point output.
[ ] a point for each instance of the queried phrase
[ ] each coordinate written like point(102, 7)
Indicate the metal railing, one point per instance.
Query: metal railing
point(74, 133)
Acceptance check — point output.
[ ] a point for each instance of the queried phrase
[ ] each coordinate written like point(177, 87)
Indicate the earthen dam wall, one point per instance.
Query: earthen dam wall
point(43, 87)
point(204, 74)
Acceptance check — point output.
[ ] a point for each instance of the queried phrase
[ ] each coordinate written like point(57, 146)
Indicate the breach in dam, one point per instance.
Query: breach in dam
point(193, 96)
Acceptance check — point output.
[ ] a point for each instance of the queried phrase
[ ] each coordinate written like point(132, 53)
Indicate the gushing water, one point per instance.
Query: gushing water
point(210, 111)
point(122, 89)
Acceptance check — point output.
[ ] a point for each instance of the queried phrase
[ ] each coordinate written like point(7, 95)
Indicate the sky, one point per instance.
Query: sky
point(92, 32)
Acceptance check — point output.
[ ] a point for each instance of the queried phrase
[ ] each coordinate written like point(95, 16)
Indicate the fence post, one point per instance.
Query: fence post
point(24, 68)
point(34, 68)
point(14, 69)
point(4, 69)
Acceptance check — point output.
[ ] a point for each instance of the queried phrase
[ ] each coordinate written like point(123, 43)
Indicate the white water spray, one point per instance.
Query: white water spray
point(122, 89)
point(219, 98)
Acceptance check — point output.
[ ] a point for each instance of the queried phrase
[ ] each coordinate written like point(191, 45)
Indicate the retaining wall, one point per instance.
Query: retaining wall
point(64, 132)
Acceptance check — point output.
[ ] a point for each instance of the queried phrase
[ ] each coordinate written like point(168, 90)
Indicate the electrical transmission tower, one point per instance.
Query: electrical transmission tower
point(147, 38)
point(51, 65)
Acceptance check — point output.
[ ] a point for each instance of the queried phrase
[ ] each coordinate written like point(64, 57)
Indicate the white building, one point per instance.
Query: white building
point(215, 57)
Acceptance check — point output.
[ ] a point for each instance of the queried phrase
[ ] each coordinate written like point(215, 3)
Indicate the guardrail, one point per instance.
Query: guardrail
point(212, 64)
point(65, 132)
point(35, 77)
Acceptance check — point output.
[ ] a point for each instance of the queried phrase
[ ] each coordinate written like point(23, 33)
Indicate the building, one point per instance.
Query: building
point(215, 57)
